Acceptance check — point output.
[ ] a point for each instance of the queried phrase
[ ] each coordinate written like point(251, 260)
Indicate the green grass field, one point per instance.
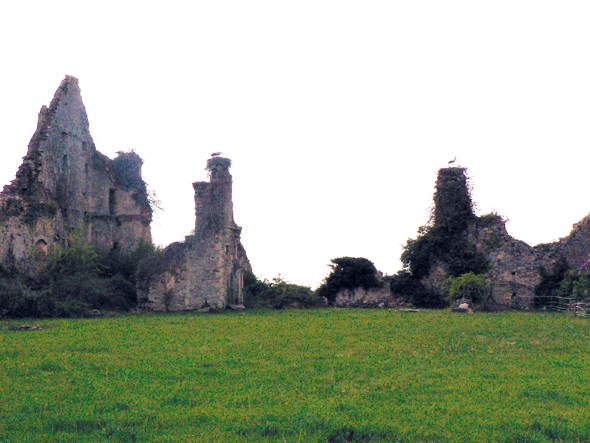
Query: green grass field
point(298, 376)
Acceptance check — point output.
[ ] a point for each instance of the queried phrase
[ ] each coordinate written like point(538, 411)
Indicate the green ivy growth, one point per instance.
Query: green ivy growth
point(444, 240)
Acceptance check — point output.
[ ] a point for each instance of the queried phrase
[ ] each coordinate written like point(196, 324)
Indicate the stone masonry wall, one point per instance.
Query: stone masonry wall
point(514, 266)
point(360, 297)
point(206, 270)
point(64, 184)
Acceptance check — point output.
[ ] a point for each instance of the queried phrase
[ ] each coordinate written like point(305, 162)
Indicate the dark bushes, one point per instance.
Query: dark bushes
point(277, 294)
point(412, 290)
point(69, 282)
point(562, 286)
point(349, 273)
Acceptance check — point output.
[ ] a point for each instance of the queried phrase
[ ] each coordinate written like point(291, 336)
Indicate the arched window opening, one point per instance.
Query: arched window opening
point(41, 246)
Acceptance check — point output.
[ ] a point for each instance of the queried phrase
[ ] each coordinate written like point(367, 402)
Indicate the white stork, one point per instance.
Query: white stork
point(216, 154)
point(453, 160)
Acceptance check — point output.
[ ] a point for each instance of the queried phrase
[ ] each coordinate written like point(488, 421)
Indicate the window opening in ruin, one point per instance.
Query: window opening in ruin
point(86, 167)
point(227, 248)
point(112, 201)
point(65, 160)
point(115, 246)
point(41, 246)
point(513, 272)
point(231, 298)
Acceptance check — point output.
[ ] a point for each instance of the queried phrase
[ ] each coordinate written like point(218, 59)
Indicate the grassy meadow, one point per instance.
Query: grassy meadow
point(326, 375)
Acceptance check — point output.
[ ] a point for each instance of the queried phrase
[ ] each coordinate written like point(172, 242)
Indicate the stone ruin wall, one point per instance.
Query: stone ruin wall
point(64, 185)
point(364, 298)
point(514, 265)
point(206, 270)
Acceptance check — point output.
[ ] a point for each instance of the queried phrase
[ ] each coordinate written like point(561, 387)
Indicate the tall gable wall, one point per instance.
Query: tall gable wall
point(65, 184)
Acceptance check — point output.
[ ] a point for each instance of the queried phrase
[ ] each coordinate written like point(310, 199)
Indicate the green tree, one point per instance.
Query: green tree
point(349, 273)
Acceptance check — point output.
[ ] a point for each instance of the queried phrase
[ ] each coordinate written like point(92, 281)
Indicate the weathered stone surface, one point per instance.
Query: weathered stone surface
point(360, 297)
point(514, 266)
point(207, 269)
point(65, 184)
point(437, 280)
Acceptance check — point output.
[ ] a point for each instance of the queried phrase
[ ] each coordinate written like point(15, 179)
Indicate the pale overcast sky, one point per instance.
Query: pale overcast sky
point(336, 114)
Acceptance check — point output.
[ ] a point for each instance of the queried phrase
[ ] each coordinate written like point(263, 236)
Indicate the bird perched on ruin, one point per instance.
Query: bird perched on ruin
point(216, 154)
point(453, 160)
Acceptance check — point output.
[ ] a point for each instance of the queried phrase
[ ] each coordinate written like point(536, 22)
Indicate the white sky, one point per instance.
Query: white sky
point(336, 114)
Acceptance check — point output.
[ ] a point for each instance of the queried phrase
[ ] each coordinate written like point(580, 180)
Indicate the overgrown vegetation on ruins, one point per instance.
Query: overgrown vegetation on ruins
point(443, 242)
point(277, 294)
point(70, 282)
point(474, 288)
point(321, 375)
point(349, 273)
point(562, 286)
point(346, 273)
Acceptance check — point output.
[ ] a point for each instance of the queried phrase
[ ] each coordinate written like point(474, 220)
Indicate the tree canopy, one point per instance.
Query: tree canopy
point(349, 273)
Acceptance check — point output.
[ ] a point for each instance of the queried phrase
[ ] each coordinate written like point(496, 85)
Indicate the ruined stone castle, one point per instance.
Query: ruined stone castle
point(207, 269)
point(514, 266)
point(65, 186)
point(66, 189)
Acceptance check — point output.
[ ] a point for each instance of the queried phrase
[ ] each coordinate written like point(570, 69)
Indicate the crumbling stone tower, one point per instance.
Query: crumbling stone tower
point(220, 261)
point(452, 201)
point(64, 184)
point(207, 269)
point(460, 242)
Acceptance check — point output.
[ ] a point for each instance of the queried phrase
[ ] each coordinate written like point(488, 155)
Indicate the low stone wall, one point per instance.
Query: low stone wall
point(360, 297)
